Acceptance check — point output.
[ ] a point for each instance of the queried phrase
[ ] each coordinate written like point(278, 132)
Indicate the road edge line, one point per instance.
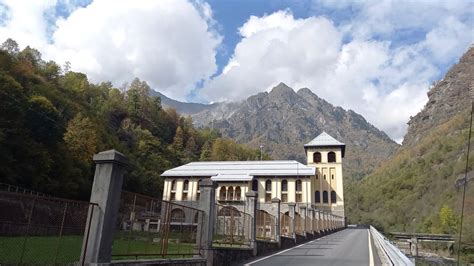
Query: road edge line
point(278, 253)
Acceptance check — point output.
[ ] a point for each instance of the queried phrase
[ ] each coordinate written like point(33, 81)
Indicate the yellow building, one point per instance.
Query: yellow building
point(319, 183)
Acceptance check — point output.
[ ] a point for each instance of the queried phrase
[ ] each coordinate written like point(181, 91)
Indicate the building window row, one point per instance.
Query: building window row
point(185, 192)
point(317, 157)
point(284, 191)
point(229, 194)
point(317, 197)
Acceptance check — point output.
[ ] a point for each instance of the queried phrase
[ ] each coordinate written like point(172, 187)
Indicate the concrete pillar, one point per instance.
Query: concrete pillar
point(414, 247)
point(291, 211)
point(106, 190)
point(207, 201)
point(276, 213)
point(303, 214)
point(252, 210)
point(311, 216)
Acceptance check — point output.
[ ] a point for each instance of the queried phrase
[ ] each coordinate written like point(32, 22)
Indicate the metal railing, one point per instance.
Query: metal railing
point(390, 254)
point(232, 227)
point(41, 230)
point(150, 228)
point(16, 189)
point(299, 225)
point(286, 225)
point(308, 222)
point(266, 226)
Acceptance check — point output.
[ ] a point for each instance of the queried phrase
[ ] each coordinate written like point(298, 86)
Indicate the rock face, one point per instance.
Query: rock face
point(447, 98)
point(284, 120)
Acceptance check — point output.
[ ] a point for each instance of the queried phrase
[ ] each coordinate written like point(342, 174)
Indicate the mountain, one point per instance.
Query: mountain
point(419, 189)
point(182, 107)
point(284, 120)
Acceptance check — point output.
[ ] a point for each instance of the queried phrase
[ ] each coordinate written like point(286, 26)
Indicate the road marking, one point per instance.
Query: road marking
point(264, 258)
point(371, 254)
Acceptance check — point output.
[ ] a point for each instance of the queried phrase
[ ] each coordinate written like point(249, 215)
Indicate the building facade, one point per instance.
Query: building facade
point(318, 184)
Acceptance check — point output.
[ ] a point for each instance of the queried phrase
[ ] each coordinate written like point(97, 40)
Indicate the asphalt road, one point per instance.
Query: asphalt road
point(347, 247)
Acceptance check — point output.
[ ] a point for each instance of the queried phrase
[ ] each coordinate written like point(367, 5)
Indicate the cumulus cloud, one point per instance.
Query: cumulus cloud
point(354, 64)
point(169, 43)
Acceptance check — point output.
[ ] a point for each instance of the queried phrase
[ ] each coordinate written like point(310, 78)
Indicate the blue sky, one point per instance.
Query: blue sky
point(377, 58)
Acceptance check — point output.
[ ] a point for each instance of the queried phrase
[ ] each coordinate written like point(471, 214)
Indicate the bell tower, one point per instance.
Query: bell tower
point(325, 153)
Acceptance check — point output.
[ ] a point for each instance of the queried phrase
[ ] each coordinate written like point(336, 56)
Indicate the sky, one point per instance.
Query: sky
point(378, 58)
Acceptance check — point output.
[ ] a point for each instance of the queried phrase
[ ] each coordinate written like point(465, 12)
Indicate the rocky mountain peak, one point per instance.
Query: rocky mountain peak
point(282, 91)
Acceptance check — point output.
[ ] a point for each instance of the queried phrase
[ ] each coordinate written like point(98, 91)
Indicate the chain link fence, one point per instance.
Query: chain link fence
point(41, 230)
point(232, 227)
point(150, 228)
point(299, 224)
point(285, 226)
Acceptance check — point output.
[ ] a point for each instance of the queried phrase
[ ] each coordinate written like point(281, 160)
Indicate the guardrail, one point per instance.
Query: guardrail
point(390, 253)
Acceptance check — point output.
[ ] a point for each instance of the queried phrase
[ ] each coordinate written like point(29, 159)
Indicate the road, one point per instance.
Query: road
point(347, 247)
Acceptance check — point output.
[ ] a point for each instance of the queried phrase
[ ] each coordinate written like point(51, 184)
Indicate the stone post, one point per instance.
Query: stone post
point(311, 215)
point(303, 213)
point(207, 201)
point(252, 210)
point(414, 247)
point(101, 219)
point(291, 212)
point(276, 213)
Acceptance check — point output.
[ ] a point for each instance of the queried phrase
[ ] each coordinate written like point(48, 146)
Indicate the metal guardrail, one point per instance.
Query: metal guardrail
point(421, 236)
point(392, 255)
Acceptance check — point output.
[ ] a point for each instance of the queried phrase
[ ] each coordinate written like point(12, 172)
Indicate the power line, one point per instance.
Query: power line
point(465, 183)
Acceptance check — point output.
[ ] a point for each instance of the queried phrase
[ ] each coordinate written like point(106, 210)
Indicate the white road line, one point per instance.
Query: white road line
point(371, 254)
point(264, 258)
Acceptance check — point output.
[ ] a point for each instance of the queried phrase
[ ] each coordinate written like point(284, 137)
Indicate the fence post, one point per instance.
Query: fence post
point(276, 208)
point(303, 214)
point(291, 208)
point(311, 215)
point(106, 190)
point(252, 209)
point(207, 201)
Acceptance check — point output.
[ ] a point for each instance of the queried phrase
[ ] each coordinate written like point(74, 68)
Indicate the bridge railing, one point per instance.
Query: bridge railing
point(391, 255)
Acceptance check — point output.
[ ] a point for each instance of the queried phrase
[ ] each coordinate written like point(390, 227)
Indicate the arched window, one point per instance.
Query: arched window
point(186, 185)
point(230, 193)
point(299, 186)
point(255, 185)
point(173, 185)
point(238, 193)
point(317, 157)
point(198, 190)
point(173, 190)
point(177, 216)
point(331, 157)
point(317, 196)
point(268, 185)
point(284, 190)
point(325, 197)
point(228, 211)
point(333, 197)
point(222, 193)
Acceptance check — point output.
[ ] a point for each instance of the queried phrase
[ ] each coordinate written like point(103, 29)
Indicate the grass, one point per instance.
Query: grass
point(43, 249)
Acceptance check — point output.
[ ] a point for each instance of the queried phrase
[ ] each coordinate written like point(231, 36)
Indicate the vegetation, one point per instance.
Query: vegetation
point(419, 189)
point(53, 120)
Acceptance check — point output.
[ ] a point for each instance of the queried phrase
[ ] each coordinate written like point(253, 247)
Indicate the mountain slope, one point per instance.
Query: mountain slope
point(419, 189)
point(182, 107)
point(283, 120)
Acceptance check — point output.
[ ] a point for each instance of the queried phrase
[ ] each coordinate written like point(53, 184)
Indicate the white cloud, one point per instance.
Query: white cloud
point(169, 43)
point(384, 82)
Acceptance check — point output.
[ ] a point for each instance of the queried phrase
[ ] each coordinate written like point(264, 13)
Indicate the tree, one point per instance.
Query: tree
point(81, 138)
point(449, 221)
point(10, 46)
point(178, 141)
point(205, 152)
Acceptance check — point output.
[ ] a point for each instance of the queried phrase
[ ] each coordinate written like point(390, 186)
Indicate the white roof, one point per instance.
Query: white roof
point(240, 170)
point(324, 139)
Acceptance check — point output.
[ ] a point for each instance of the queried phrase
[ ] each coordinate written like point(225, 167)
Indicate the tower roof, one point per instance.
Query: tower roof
point(326, 140)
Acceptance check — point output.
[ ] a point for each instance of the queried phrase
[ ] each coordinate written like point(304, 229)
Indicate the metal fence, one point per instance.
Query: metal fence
point(266, 226)
point(41, 230)
point(299, 224)
point(308, 224)
point(232, 227)
point(153, 228)
point(286, 225)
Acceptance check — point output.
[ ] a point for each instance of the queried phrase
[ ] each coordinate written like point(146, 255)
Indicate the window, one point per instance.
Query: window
point(325, 197)
point(238, 193)
point(324, 177)
point(284, 185)
point(198, 190)
point(331, 157)
point(255, 185)
point(317, 157)
point(173, 196)
point(332, 176)
point(173, 190)
point(268, 191)
point(317, 177)
point(222, 193)
point(317, 196)
point(177, 216)
point(173, 185)
point(284, 190)
point(299, 198)
point(333, 197)
point(299, 186)
point(185, 196)
point(284, 197)
point(186, 185)
point(230, 193)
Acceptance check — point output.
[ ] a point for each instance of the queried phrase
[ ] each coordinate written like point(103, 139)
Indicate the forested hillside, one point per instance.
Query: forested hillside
point(53, 120)
point(420, 188)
